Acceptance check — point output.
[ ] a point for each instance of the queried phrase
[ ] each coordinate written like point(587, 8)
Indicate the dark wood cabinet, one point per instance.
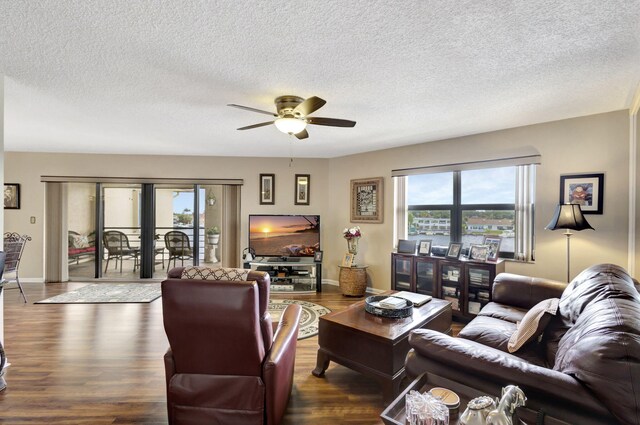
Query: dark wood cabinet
point(466, 284)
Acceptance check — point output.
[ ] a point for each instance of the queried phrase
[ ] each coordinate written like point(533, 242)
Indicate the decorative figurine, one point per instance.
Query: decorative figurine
point(512, 397)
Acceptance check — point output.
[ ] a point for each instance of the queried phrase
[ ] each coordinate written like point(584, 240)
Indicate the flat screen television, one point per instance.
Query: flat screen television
point(284, 235)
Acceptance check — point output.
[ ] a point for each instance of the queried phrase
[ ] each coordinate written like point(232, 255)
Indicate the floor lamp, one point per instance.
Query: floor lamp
point(569, 217)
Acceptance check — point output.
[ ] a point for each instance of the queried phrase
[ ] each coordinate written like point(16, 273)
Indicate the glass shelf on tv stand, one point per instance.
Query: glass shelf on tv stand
point(291, 282)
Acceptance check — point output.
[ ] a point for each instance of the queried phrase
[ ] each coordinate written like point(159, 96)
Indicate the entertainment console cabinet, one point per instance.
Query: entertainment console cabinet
point(467, 284)
point(304, 275)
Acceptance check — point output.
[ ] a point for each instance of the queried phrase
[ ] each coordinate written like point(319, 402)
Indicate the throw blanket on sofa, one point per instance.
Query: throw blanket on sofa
point(220, 273)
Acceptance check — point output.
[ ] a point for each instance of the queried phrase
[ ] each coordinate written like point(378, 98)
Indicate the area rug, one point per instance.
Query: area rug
point(309, 319)
point(108, 293)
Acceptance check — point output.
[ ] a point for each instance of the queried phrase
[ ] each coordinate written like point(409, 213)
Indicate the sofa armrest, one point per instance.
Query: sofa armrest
point(279, 363)
point(489, 364)
point(524, 291)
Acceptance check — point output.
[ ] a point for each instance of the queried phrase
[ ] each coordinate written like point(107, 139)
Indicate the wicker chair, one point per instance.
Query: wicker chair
point(177, 243)
point(117, 245)
point(14, 247)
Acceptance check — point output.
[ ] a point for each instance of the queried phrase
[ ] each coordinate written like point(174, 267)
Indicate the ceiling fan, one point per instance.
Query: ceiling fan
point(293, 115)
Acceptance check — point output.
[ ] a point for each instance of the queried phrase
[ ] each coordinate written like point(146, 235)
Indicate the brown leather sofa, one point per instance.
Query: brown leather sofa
point(584, 370)
point(225, 365)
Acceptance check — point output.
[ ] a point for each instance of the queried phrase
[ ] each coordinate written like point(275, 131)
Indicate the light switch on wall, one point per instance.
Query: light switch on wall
point(33, 220)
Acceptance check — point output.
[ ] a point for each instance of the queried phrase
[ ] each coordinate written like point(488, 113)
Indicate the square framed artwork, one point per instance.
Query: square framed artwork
point(366, 200)
point(493, 242)
point(303, 189)
point(478, 252)
point(586, 190)
point(11, 196)
point(455, 248)
point(424, 247)
point(267, 189)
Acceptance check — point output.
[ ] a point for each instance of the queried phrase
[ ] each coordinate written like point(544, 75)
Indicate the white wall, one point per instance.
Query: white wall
point(26, 169)
point(637, 235)
point(598, 143)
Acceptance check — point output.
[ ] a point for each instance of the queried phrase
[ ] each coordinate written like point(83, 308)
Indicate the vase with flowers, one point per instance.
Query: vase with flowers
point(352, 235)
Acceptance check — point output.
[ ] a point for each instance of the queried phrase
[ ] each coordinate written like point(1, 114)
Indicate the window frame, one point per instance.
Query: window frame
point(457, 208)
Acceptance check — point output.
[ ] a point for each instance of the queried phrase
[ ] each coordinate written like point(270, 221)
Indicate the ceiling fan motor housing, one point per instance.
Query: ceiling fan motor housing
point(286, 104)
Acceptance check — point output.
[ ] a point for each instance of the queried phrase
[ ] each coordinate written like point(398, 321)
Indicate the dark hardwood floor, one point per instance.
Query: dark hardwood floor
point(102, 364)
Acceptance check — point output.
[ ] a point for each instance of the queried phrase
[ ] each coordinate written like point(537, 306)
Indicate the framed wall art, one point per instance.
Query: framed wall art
point(11, 196)
point(366, 200)
point(586, 190)
point(303, 189)
point(267, 189)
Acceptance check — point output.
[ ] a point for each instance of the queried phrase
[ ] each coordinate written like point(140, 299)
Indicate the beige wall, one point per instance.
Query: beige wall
point(81, 206)
point(637, 235)
point(2, 183)
point(598, 143)
point(26, 169)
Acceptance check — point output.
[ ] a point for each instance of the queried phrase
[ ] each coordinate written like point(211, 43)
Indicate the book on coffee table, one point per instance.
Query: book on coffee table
point(416, 299)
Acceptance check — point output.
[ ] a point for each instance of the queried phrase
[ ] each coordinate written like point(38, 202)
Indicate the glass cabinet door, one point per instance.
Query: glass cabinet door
point(452, 279)
point(402, 272)
point(479, 288)
point(425, 275)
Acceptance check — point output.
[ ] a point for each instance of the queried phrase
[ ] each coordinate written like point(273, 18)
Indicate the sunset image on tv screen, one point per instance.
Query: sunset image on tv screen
point(284, 235)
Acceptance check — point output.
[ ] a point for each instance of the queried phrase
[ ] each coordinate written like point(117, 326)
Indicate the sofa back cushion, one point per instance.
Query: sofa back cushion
point(601, 348)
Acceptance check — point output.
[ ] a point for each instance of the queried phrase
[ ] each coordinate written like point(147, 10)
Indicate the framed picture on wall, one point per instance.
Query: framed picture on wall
point(267, 189)
point(303, 183)
point(586, 190)
point(11, 196)
point(366, 200)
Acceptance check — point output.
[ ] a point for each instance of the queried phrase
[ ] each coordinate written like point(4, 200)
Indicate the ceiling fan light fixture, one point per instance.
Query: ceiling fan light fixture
point(290, 125)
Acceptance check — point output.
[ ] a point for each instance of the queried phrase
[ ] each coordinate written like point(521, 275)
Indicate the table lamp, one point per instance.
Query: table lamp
point(569, 217)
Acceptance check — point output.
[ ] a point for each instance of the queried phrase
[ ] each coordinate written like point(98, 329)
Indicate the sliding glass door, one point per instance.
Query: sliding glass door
point(127, 231)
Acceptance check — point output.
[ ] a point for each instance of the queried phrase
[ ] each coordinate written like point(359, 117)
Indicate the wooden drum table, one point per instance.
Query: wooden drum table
point(376, 346)
point(353, 280)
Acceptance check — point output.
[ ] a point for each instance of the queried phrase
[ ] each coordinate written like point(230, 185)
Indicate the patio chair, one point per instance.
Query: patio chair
point(117, 245)
point(13, 248)
point(177, 243)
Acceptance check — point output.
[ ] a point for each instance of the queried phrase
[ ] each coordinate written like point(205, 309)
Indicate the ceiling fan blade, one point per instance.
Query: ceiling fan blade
point(334, 122)
point(302, 135)
point(262, 124)
point(246, 108)
point(309, 106)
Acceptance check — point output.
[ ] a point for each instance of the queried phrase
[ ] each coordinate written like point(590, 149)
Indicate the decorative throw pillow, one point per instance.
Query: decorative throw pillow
point(220, 273)
point(533, 323)
point(80, 241)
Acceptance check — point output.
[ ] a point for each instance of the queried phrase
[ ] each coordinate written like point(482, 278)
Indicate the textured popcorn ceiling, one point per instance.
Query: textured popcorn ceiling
point(154, 76)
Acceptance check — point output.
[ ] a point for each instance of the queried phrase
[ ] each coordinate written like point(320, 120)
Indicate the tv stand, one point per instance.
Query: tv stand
point(299, 275)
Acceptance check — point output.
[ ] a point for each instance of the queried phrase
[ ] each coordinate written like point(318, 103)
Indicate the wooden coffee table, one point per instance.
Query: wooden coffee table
point(376, 346)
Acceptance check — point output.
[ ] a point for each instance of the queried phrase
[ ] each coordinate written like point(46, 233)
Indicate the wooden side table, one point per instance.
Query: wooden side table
point(353, 280)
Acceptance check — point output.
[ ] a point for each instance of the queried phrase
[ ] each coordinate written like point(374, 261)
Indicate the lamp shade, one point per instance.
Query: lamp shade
point(568, 216)
point(290, 125)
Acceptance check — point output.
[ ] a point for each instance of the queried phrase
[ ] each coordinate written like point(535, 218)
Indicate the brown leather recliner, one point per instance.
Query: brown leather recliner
point(225, 365)
point(586, 368)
